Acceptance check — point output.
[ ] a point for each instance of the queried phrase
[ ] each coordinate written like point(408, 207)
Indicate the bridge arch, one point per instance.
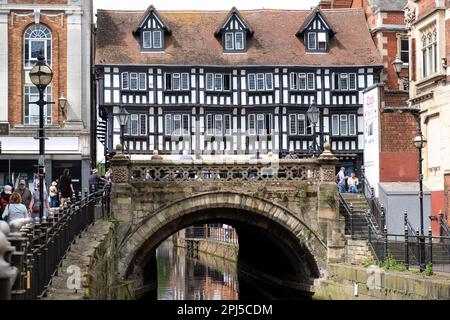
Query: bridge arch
point(296, 238)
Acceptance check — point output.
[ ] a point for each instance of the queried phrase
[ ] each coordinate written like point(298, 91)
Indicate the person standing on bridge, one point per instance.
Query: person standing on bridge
point(186, 156)
point(156, 155)
point(291, 155)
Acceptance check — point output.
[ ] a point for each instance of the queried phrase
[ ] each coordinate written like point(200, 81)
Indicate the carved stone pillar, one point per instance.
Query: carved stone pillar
point(119, 164)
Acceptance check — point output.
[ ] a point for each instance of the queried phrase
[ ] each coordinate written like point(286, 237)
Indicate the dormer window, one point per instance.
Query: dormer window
point(152, 39)
point(233, 32)
point(151, 31)
point(316, 32)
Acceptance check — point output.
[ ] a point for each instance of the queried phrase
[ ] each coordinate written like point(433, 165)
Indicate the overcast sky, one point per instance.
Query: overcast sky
point(204, 4)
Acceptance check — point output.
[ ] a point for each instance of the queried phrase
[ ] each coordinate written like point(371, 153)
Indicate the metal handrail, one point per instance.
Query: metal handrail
point(41, 246)
point(374, 205)
point(348, 210)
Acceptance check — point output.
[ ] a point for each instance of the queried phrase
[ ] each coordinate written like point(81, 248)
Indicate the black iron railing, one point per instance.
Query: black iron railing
point(220, 234)
point(376, 209)
point(41, 246)
point(347, 211)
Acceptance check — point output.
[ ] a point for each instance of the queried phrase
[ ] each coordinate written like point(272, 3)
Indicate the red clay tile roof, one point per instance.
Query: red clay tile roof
point(192, 40)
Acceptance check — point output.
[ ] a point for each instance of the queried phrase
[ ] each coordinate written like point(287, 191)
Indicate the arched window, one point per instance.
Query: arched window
point(38, 40)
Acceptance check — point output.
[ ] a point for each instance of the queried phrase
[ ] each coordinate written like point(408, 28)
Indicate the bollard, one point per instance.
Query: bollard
point(382, 218)
point(406, 247)
point(430, 245)
point(351, 220)
point(418, 247)
point(385, 242)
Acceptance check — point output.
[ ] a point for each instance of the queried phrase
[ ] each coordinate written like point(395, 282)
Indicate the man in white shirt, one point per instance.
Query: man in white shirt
point(340, 178)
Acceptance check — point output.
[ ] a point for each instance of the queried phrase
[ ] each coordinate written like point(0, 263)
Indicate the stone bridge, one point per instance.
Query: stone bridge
point(285, 212)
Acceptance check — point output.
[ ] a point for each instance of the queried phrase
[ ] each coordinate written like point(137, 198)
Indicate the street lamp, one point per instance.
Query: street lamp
point(420, 142)
point(41, 75)
point(313, 116)
point(124, 117)
point(398, 65)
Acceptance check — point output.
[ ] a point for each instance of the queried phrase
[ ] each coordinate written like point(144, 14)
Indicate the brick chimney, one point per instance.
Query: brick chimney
point(325, 4)
point(341, 3)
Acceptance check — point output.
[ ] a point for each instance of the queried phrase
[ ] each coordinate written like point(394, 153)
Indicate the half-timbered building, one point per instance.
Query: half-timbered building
point(205, 81)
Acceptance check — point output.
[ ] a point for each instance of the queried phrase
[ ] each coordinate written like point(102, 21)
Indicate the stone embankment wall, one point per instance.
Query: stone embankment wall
point(346, 282)
point(89, 270)
point(227, 251)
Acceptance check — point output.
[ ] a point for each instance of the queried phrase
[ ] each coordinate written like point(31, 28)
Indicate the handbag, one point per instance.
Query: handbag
point(35, 208)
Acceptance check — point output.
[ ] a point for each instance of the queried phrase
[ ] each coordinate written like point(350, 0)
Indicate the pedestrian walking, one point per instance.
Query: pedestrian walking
point(24, 193)
point(4, 197)
point(94, 179)
point(15, 209)
point(35, 204)
point(65, 187)
point(54, 195)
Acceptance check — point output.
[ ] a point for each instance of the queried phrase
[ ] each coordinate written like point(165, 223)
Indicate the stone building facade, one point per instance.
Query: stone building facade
point(429, 23)
point(61, 30)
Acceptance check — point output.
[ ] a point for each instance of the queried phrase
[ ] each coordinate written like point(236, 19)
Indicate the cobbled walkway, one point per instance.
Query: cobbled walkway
point(62, 286)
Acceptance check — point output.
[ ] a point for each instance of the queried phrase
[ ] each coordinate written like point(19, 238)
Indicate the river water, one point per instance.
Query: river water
point(203, 277)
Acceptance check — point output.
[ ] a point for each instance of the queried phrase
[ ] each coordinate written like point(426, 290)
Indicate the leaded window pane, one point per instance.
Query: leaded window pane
point(251, 124)
point(157, 43)
point(343, 125)
point(294, 81)
point(301, 124)
point(335, 124)
point(185, 81)
point(176, 81)
point(147, 39)
point(168, 124)
point(251, 82)
point(292, 124)
point(269, 81)
point(311, 80)
point(133, 81)
point(302, 81)
point(209, 81)
point(260, 81)
point(239, 40)
point(218, 82)
point(312, 40)
point(142, 81)
point(229, 45)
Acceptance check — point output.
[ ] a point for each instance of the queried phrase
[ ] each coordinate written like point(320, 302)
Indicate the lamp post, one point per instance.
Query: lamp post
point(124, 117)
point(41, 75)
point(420, 143)
point(313, 116)
point(398, 65)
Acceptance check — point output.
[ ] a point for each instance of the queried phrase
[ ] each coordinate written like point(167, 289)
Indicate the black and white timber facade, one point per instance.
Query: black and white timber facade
point(243, 107)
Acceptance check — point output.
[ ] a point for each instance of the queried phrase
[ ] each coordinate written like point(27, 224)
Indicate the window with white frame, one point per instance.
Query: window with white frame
point(31, 114)
point(260, 124)
point(344, 81)
point(234, 41)
point(404, 49)
point(312, 40)
point(176, 124)
point(260, 81)
point(152, 39)
point(218, 124)
point(322, 41)
point(218, 82)
point(229, 41)
point(302, 81)
point(343, 125)
point(176, 81)
point(137, 126)
point(134, 81)
point(299, 125)
point(429, 53)
point(37, 41)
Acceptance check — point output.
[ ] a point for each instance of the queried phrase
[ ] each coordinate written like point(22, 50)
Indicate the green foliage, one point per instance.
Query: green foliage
point(392, 264)
point(428, 269)
point(302, 191)
point(368, 262)
point(330, 198)
point(283, 196)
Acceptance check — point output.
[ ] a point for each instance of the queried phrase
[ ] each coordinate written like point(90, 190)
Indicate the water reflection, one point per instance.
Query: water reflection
point(181, 277)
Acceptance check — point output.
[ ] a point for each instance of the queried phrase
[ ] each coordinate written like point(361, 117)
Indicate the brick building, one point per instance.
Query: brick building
point(61, 30)
point(429, 23)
